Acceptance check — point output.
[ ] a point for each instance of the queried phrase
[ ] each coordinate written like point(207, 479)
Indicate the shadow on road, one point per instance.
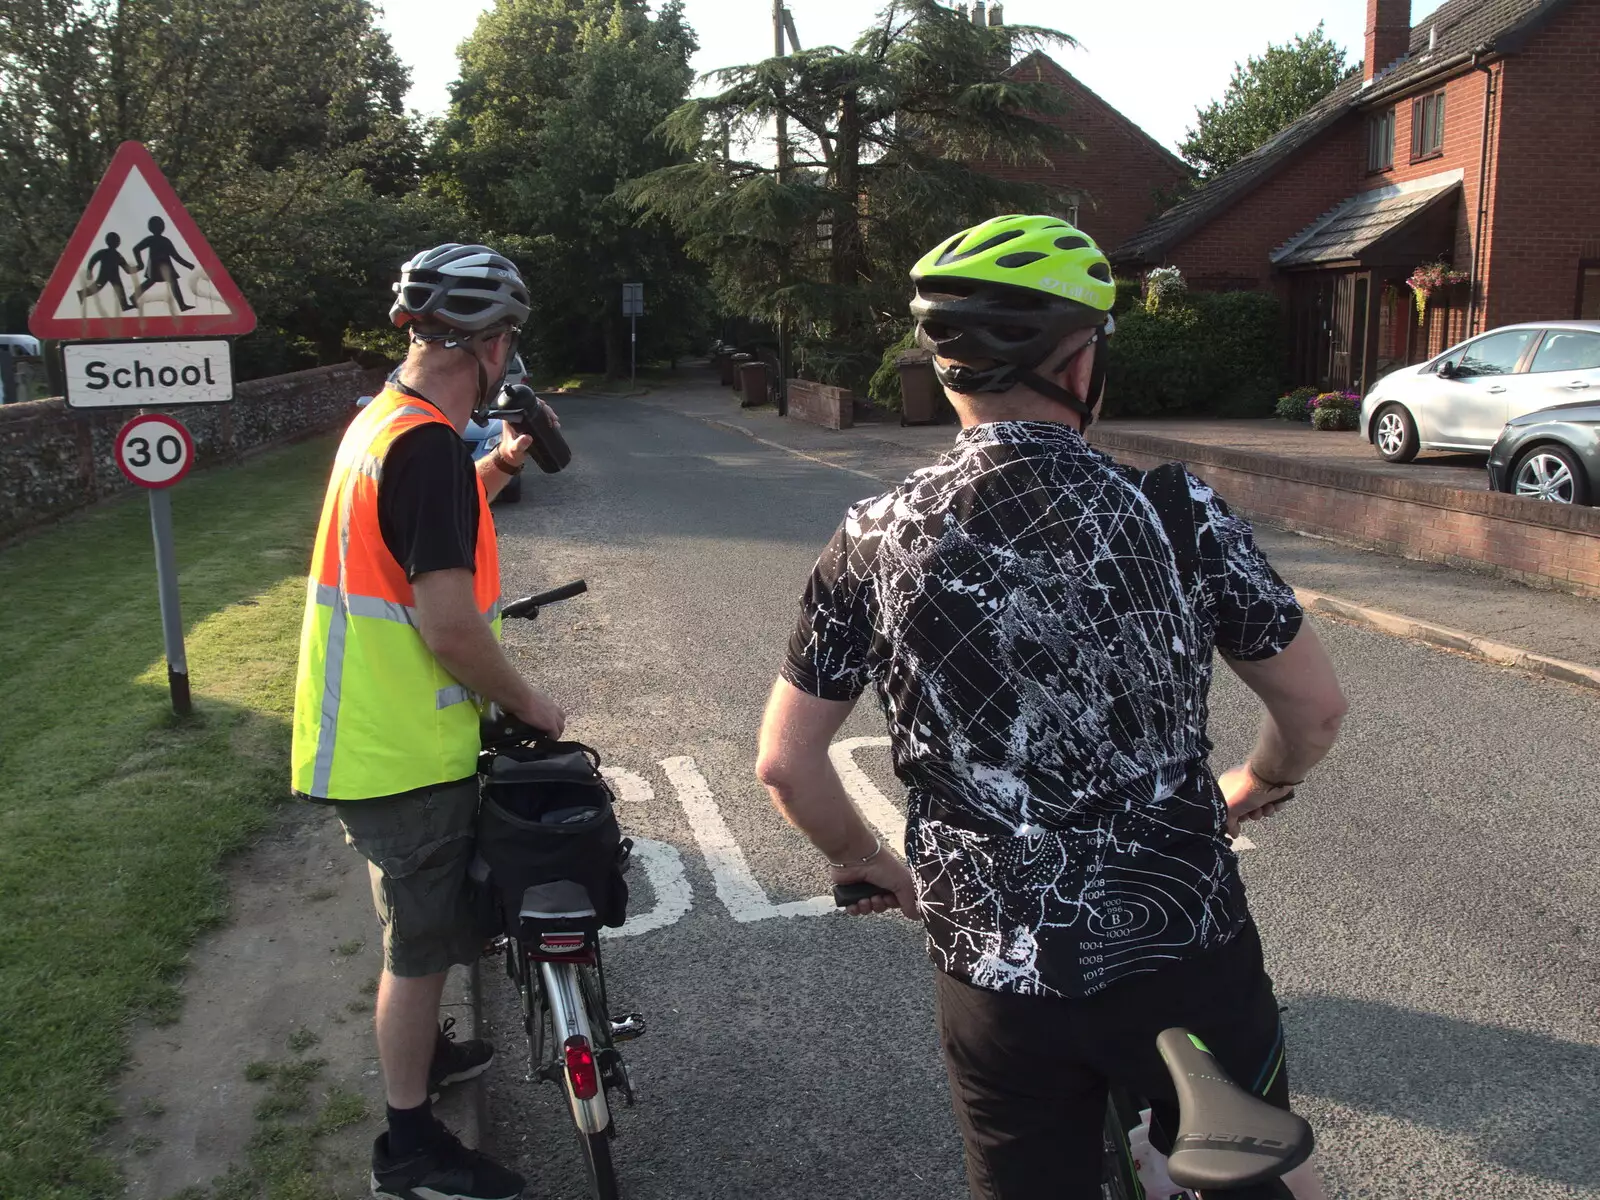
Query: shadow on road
point(1524, 1100)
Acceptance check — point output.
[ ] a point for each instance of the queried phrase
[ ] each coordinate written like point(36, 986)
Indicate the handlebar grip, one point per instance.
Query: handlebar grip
point(846, 894)
point(529, 606)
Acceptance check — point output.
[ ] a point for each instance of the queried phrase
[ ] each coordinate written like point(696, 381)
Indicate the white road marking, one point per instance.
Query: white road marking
point(736, 887)
point(874, 805)
point(630, 786)
point(674, 897)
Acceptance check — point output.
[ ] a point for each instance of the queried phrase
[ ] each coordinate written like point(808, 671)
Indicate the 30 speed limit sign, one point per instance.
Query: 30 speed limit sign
point(154, 451)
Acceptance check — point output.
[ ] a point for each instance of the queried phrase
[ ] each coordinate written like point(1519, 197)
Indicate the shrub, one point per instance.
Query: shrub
point(883, 389)
point(1130, 295)
point(1296, 405)
point(1214, 354)
point(1163, 288)
point(1334, 418)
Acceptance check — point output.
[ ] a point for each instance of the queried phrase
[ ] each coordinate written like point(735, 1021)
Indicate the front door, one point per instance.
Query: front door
point(1468, 410)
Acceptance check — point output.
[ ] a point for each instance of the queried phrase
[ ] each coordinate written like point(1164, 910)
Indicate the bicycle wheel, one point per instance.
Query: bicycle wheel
point(1118, 1178)
point(597, 1146)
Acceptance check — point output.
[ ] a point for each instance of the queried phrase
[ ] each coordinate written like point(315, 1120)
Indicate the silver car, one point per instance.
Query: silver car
point(1463, 399)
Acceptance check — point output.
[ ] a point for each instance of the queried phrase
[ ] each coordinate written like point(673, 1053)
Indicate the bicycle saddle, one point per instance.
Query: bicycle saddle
point(562, 900)
point(1227, 1138)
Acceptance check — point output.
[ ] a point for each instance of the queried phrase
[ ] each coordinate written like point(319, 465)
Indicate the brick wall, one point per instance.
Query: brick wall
point(1547, 199)
point(821, 404)
point(1119, 169)
point(1545, 545)
point(54, 459)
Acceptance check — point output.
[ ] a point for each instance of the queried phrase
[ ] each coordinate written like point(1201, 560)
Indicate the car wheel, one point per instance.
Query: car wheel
point(1395, 434)
point(1550, 473)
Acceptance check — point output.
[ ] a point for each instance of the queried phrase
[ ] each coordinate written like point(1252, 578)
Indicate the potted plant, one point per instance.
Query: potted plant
point(1335, 411)
point(1430, 278)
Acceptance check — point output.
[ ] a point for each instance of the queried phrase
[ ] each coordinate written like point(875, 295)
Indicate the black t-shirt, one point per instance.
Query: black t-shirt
point(428, 500)
point(1044, 661)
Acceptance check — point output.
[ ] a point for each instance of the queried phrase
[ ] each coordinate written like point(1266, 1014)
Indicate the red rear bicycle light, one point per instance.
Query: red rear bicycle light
point(581, 1069)
point(562, 943)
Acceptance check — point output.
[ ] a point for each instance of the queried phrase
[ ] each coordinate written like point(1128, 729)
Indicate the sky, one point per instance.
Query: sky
point(1155, 60)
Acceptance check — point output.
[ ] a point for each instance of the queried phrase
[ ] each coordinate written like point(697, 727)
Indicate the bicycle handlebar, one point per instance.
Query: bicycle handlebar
point(528, 607)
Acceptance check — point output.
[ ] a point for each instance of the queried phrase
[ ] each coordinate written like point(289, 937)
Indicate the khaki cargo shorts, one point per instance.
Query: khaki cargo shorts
point(418, 847)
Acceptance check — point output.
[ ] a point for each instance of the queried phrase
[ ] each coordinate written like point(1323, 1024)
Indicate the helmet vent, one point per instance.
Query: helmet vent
point(999, 239)
point(1072, 243)
point(1020, 259)
point(1101, 271)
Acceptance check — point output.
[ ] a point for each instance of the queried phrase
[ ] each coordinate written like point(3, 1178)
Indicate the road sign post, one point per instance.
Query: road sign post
point(154, 451)
point(633, 309)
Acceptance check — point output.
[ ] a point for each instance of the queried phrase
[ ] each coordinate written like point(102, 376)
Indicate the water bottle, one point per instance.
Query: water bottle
point(520, 409)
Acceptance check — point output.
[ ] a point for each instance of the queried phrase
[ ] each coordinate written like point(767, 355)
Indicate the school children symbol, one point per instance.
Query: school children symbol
point(137, 266)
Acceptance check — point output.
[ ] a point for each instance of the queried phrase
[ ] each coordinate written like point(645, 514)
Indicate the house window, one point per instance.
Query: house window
point(1589, 292)
point(1380, 142)
point(1427, 126)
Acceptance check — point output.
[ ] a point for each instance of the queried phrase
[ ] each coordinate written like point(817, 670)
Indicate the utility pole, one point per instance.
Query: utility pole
point(782, 23)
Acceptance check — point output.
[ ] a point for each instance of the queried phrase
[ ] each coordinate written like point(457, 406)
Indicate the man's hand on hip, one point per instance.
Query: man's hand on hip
point(887, 872)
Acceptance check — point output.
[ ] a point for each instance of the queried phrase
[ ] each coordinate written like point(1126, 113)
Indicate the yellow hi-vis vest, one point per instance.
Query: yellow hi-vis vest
point(375, 713)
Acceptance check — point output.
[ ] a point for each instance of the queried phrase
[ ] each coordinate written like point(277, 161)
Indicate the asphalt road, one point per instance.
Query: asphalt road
point(1429, 902)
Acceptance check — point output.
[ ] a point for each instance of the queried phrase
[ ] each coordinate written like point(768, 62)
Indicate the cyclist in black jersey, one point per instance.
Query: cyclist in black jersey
point(1039, 623)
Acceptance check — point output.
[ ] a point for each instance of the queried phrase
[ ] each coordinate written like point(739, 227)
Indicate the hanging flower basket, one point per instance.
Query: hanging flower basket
point(1430, 278)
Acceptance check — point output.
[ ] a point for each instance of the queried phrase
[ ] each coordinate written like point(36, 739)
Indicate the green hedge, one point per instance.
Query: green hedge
point(1215, 354)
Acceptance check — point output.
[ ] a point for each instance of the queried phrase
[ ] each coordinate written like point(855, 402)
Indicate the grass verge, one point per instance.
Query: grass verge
point(116, 816)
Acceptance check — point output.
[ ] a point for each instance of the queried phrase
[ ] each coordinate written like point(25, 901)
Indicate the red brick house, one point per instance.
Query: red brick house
point(1115, 179)
point(1471, 138)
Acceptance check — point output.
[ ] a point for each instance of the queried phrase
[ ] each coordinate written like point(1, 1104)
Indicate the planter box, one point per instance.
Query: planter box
point(821, 404)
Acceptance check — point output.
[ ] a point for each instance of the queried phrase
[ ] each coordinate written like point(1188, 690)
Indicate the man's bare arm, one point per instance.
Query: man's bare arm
point(793, 762)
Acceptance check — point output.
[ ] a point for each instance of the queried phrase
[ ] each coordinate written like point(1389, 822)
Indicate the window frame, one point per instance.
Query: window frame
point(1533, 363)
point(1524, 356)
point(1385, 120)
point(1585, 266)
point(1420, 107)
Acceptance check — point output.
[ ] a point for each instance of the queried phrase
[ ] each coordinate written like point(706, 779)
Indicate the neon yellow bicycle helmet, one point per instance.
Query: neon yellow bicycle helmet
point(1009, 290)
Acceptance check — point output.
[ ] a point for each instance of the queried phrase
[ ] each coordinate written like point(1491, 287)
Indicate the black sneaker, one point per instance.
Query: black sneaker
point(456, 1062)
point(446, 1170)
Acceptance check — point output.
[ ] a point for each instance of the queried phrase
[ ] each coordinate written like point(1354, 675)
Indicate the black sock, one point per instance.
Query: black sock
point(410, 1129)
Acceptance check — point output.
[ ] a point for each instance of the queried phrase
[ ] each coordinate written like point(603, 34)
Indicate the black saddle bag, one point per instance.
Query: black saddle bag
point(546, 815)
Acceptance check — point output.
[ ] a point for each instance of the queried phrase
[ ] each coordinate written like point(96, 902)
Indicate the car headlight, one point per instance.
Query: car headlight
point(487, 446)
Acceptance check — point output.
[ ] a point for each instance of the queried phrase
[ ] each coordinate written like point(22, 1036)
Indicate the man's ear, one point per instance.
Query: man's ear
point(1078, 374)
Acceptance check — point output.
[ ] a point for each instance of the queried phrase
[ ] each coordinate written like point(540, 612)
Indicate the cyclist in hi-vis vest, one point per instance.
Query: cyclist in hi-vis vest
point(399, 649)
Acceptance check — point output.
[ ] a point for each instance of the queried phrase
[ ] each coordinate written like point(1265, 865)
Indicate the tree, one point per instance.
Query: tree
point(884, 138)
point(537, 144)
point(1265, 95)
point(279, 122)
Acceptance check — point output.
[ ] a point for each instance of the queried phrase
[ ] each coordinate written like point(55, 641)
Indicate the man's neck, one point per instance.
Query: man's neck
point(1020, 404)
point(452, 388)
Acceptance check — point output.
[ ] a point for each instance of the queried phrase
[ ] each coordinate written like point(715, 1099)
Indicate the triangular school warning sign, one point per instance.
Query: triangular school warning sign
point(138, 267)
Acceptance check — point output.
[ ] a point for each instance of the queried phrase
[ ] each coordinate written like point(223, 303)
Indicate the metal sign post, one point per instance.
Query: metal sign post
point(155, 451)
point(633, 308)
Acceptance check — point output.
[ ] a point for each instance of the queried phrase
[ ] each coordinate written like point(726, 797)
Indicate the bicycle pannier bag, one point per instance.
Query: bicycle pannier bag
point(546, 815)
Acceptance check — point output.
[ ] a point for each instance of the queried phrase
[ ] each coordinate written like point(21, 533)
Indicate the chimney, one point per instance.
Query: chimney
point(1388, 34)
point(977, 13)
point(995, 17)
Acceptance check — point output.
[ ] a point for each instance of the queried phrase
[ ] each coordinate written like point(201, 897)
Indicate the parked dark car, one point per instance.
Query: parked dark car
point(1552, 454)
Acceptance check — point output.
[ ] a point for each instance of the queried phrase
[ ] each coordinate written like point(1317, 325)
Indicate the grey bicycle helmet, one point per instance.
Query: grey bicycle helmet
point(470, 288)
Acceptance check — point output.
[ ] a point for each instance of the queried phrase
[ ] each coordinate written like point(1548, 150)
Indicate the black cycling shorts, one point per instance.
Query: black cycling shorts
point(1029, 1074)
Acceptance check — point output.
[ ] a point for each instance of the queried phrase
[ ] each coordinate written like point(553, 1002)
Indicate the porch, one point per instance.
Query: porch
point(1352, 315)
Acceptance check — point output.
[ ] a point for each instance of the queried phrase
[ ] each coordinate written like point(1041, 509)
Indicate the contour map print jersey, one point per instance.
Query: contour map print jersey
point(1044, 663)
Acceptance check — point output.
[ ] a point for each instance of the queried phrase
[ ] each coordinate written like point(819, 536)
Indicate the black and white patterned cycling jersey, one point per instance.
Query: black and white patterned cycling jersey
point(1044, 662)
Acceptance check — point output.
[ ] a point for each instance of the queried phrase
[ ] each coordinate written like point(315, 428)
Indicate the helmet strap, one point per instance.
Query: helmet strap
point(1097, 380)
